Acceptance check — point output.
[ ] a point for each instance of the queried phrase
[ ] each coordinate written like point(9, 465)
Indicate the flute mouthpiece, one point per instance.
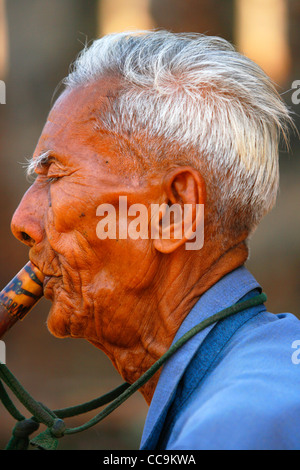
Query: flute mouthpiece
point(20, 295)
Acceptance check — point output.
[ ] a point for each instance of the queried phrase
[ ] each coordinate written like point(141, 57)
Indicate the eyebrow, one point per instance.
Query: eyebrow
point(40, 161)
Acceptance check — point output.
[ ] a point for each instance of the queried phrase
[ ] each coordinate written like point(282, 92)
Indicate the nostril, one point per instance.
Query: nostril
point(25, 236)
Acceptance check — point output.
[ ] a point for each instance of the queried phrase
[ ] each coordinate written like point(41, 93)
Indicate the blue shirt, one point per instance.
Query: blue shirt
point(249, 398)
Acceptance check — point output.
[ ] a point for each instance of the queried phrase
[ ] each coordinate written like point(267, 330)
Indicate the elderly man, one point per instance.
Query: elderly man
point(162, 119)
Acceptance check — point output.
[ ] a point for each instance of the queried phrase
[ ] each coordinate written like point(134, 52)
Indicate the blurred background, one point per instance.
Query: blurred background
point(38, 41)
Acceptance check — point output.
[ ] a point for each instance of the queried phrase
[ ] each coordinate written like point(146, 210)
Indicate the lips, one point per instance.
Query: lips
point(46, 275)
point(46, 280)
point(49, 283)
point(49, 280)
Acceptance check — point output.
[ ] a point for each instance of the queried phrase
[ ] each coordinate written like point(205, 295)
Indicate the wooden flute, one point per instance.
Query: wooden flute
point(19, 296)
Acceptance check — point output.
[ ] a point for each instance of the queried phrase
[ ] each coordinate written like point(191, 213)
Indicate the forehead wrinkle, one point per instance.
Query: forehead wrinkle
point(84, 116)
point(81, 109)
point(86, 108)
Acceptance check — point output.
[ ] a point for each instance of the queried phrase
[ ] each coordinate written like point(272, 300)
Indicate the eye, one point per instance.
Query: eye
point(52, 179)
point(54, 172)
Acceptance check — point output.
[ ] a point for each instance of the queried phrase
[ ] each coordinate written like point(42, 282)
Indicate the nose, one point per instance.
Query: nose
point(27, 221)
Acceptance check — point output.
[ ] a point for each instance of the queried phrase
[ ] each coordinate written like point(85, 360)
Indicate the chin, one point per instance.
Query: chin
point(62, 322)
point(57, 323)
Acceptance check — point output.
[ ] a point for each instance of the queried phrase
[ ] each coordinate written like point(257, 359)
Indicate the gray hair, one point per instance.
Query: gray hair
point(198, 93)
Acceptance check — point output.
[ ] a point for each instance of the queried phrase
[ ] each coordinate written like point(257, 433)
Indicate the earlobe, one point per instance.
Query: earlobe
point(184, 188)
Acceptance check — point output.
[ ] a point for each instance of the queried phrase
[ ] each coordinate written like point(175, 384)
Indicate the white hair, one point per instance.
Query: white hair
point(197, 92)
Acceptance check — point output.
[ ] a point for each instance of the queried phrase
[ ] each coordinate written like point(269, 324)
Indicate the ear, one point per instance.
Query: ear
point(179, 216)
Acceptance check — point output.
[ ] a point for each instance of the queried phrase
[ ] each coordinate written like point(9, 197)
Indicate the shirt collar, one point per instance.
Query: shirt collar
point(226, 292)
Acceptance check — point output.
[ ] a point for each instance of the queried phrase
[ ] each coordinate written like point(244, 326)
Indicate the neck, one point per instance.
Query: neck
point(208, 275)
point(164, 310)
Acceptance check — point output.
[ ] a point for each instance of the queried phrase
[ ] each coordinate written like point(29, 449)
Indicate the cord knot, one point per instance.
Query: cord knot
point(24, 428)
point(58, 428)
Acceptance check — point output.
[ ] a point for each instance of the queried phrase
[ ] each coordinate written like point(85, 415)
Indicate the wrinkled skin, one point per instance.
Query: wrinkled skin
point(127, 297)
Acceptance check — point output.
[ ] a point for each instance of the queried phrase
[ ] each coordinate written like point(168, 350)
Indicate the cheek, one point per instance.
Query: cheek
point(129, 264)
point(72, 233)
point(72, 209)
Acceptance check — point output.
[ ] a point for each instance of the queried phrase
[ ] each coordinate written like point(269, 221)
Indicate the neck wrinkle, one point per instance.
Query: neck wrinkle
point(230, 260)
point(167, 310)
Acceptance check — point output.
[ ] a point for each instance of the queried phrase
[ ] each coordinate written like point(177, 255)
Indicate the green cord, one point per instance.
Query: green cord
point(13, 411)
point(35, 408)
point(53, 419)
point(91, 405)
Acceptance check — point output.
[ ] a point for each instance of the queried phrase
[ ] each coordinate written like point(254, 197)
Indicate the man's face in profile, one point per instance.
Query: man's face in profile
point(91, 282)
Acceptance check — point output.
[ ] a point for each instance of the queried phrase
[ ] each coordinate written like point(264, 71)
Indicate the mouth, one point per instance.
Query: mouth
point(46, 280)
point(49, 283)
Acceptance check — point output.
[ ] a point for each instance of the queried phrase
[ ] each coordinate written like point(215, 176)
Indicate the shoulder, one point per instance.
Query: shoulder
point(250, 398)
point(266, 344)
